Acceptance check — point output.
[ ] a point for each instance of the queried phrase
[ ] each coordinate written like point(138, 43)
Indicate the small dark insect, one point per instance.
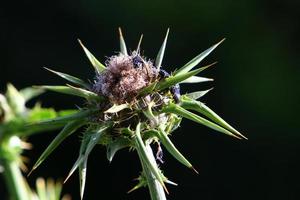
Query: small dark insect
point(137, 61)
point(163, 73)
point(175, 90)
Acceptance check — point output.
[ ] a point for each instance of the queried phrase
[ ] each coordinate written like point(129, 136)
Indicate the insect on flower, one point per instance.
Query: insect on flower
point(134, 103)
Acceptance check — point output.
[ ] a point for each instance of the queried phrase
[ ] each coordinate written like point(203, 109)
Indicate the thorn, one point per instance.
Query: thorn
point(165, 188)
point(120, 32)
point(31, 171)
point(66, 179)
point(194, 170)
point(139, 44)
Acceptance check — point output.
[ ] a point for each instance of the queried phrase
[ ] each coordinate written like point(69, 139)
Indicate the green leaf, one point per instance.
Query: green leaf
point(29, 92)
point(116, 108)
point(71, 90)
point(173, 108)
point(140, 147)
point(174, 79)
point(161, 52)
point(88, 143)
point(37, 114)
point(15, 100)
point(115, 146)
point(82, 176)
point(70, 78)
point(206, 111)
point(86, 93)
point(80, 115)
point(196, 79)
point(70, 128)
point(195, 61)
point(123, 48)
point(4, 107)
point(147, 89)
point(165, 140)
point(197, 95)
point(99, 67)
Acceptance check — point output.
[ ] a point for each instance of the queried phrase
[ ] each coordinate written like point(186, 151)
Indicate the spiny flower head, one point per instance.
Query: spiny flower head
point(134, 103)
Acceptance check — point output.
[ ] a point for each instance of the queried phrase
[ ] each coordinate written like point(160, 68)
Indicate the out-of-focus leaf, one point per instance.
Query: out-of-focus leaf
point(80, 115)
point(195, 61)
point(29, 92)
point(15, 100)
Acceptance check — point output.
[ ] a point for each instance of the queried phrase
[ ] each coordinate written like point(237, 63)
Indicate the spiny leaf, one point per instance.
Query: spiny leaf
point(147, 89)
point(172, 80)
point(86, 93)
point(70, 128)
point(140, 147)
point(123, 48)
point(196, 79)
point(70, 78)
point(116, 108)
point(165, 140)
point(197, 95)
point(206, 111)
point(115, 146)
point(29, 93)
point(15, 100)
point(71, 90)
point(87, 145)
point(195, 61)
point(82, 176)
point(173, 108)
point(161, 52)
point(99, 67)
point(80, 115)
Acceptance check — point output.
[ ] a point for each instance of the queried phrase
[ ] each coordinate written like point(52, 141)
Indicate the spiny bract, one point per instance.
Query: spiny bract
point(134, 103)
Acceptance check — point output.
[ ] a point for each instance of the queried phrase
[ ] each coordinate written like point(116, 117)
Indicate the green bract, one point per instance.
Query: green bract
point(134, 103)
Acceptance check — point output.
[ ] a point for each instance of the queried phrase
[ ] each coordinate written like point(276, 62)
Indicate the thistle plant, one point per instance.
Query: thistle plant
point(134, 103)
point(14, 118)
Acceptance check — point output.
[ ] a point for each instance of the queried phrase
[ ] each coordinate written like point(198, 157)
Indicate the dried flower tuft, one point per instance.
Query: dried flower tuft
point(123, 77)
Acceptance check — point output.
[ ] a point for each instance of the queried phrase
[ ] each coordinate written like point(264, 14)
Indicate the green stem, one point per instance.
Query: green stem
point(155, 188)
point(14, 180)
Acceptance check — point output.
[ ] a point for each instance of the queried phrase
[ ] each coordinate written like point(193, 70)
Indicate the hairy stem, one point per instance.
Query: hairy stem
point(155, 188)
point(14, 180)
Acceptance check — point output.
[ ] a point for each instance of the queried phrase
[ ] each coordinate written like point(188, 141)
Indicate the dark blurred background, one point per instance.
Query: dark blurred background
point(256, 88)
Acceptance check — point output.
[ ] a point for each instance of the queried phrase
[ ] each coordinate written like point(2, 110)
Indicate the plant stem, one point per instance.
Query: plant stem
point(14, 180)
point(155, 188)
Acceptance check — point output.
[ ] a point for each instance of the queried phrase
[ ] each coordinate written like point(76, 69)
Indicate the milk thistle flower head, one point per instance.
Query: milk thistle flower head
point(134, 103)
